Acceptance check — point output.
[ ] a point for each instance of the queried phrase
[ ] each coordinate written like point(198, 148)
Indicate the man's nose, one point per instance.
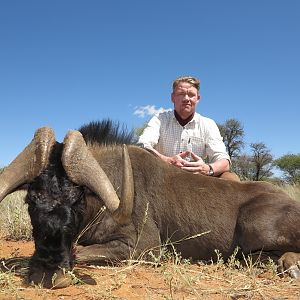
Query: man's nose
point(186, 97)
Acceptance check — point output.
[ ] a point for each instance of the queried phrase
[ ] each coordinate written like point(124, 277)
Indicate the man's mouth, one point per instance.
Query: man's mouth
point(186, 105)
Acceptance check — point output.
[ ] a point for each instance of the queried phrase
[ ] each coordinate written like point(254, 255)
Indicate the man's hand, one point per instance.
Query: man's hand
point(196, 165)
point(179, 159)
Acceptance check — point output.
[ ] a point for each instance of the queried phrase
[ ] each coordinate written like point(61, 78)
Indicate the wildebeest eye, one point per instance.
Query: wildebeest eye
point(74, 195)
point(35, 197)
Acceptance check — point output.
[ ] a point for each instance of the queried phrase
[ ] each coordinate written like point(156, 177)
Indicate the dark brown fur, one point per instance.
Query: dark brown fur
point(177, 205)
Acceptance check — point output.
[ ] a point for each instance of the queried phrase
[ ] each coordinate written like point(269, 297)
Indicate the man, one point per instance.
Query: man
point(184, 138)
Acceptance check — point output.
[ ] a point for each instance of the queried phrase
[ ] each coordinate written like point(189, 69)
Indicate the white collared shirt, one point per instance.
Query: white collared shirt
point(168, 137)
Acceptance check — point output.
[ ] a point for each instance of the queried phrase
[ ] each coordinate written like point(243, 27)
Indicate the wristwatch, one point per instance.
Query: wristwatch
point(211, 171)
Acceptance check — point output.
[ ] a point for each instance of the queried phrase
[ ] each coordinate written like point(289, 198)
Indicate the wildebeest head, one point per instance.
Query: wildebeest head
point(56, 175)
point(55, 206)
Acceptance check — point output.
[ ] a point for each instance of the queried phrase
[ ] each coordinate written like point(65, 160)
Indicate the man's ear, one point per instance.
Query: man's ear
point(172, 98)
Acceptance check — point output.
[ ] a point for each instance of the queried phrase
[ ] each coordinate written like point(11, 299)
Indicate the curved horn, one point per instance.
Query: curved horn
point(83, 169)
point(123, 214)
point(29, 163)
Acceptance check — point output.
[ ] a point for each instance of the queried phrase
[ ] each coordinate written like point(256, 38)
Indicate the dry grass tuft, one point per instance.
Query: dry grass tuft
point(15, 221)
point(292, 189)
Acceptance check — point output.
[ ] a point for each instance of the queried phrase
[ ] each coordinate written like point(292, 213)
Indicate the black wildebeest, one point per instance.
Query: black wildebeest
point(120, 201)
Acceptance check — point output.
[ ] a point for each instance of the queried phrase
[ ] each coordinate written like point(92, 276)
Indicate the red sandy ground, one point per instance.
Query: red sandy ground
point(139, 281)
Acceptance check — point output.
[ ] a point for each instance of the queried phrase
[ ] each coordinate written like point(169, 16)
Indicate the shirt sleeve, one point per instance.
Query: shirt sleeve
point(149, 137)
point(215, 147)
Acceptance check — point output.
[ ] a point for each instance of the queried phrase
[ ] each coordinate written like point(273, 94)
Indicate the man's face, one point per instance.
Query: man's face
point(185, 98)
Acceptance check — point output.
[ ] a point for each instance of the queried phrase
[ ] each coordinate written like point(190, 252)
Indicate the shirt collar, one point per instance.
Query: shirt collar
point(181, 121)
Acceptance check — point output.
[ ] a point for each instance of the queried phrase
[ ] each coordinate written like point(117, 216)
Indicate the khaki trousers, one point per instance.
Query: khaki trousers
point(229, 176)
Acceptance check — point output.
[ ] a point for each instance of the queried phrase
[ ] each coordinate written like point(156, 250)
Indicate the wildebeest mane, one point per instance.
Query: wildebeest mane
point(106, 132)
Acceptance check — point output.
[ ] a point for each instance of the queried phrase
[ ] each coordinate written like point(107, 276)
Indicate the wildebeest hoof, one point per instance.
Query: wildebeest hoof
point(61, 280)
point(51, 280)
point(289, 262)
point(294, 272)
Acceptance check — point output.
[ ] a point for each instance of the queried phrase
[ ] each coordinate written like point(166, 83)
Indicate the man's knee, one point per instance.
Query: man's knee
point(229, 176)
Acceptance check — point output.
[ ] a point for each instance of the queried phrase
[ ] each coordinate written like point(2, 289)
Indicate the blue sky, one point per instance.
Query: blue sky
point(65, 63)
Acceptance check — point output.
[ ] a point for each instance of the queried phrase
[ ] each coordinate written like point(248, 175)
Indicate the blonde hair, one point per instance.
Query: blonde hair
point(189, 79)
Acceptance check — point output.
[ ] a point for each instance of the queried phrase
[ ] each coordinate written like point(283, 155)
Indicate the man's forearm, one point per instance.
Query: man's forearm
point(220, 166)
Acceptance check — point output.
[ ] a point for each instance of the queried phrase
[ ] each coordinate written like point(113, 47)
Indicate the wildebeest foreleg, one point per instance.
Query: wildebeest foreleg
point(98, 254)
point(112, 252)
point(117, 250)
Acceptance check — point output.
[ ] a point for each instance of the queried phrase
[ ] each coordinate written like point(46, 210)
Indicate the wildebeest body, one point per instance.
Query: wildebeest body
point(159, 204)
point(249, 215)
